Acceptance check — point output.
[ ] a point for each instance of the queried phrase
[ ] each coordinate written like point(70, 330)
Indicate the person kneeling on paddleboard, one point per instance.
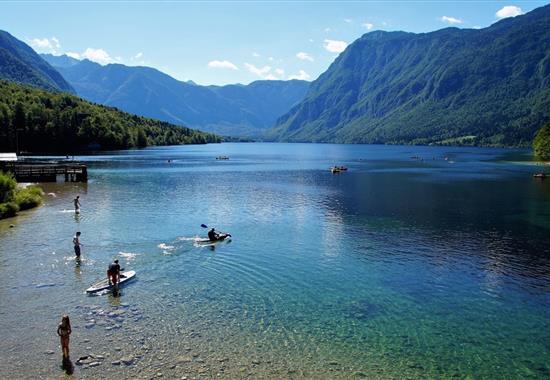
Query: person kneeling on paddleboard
point(113, 273)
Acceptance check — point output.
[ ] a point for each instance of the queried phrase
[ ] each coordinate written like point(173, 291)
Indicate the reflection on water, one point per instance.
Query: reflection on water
point(399, 267)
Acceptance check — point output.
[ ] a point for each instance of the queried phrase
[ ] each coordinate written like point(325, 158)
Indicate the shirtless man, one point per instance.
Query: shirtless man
point(113, 273)
point(77, 244)
point(76, 202)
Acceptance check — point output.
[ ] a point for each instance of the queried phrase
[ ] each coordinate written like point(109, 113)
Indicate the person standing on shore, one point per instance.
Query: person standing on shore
point(64, 330)
point(77, 244)
point(76, 202)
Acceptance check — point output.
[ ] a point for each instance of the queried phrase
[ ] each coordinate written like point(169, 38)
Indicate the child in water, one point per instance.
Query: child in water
point(64, 330)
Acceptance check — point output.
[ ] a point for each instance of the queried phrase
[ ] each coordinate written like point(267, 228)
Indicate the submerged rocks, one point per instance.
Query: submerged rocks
point(90, 361)
point(116, 313)
point(45, 285)
point(127, 360)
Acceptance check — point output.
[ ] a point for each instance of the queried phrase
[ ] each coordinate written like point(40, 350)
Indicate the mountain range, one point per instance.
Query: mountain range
point(453, 86)
point(19, 63)
point(236, 110)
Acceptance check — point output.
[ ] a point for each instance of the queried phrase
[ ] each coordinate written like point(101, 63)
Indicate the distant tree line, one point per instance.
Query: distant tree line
point(33, 120)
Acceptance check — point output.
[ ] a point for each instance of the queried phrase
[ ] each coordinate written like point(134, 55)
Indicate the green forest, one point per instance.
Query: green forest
point(33, 120)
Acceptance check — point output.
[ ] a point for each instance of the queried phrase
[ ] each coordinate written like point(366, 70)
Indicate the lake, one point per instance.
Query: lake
point(418, 262)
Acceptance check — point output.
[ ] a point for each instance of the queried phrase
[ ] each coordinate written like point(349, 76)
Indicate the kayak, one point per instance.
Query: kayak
point(338, 169)
point(206, 241)
point(104, 284)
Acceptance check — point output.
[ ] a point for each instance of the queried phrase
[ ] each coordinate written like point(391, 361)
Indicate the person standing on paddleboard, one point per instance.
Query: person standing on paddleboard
point(76, 202)
point(77, 244)
point(113, 273)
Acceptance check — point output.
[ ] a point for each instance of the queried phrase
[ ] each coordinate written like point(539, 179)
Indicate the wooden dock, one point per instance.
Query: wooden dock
point(46, 171)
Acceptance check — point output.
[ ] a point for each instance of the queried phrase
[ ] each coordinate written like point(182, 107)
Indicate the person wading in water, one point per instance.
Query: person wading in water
point(77, 244)
point(76, 202)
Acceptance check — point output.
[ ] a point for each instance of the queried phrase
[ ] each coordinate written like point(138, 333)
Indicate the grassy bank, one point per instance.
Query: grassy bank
point(14, 198)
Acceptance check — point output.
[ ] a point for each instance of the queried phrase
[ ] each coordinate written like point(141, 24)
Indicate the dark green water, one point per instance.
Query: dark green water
point(398, 268)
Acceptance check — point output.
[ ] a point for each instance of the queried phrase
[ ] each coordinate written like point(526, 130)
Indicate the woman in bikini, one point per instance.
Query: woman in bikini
point(64, 330)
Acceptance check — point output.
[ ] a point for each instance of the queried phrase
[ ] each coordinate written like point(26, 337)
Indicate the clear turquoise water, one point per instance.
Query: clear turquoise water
point(398, 268)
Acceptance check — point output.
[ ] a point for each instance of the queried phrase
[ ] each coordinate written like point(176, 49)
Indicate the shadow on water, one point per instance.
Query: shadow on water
point(114, 296)
point(77, 269)
point(67, 365)
point(499, 227)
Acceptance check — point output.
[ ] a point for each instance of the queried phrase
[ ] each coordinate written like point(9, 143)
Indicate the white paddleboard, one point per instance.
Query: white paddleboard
point(104, 284)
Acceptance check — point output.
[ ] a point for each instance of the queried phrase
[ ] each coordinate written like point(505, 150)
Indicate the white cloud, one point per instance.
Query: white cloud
point(368, 25)
point(451, 20)
point(45, 45)
point(348, 20)
point(304, 56)
point(265, 72)
point(311, 40)
point(222, 65)
point(271, 59)
point(138, 55)
point(261, 72)
point(335, 46)
point(509, 11)
point(254, 54)
point(327, 30)
point(72, 55)
point(302, 75)
point(100, 56)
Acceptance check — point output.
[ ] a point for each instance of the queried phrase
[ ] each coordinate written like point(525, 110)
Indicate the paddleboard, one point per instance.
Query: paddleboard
point(104, 284)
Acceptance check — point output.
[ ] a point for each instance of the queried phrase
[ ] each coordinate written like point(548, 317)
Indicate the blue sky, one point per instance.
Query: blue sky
point(221, 42)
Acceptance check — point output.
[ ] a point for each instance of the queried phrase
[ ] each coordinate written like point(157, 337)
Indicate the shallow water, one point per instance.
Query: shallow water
point(398, 268)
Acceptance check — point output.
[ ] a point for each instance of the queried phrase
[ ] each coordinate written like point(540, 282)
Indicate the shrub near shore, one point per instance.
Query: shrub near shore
point(14, 199)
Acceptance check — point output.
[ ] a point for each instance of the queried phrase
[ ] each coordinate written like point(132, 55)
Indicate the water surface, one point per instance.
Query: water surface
point(435, 266)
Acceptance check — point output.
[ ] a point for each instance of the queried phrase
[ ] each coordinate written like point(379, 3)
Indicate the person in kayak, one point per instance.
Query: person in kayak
point(113, 273)
point(213, 235)
point(77, 244)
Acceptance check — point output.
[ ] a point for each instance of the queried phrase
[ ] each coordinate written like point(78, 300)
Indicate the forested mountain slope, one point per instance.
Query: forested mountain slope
point(19, 63)
point(453, 86)
point(236, 110)
point(61, 123)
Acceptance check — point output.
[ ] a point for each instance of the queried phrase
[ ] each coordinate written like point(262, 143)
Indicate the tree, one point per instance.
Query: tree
point(541, 144)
